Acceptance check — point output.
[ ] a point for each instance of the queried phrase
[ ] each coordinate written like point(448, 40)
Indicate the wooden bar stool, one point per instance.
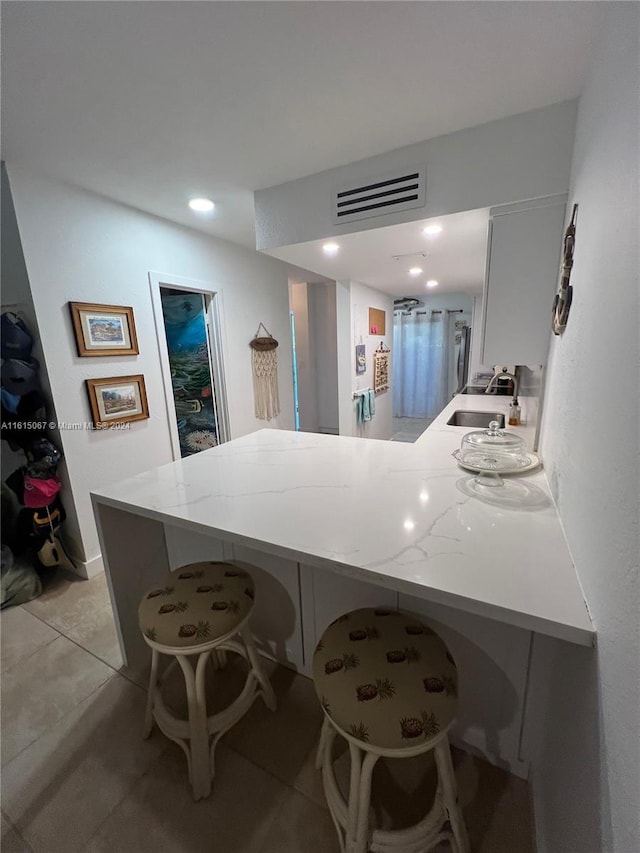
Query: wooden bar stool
point(200, 611)
point(388, 686)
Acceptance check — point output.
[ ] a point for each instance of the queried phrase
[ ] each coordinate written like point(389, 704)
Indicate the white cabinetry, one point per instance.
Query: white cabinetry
point(493, 669)
point(523, 258)
point(326, 596)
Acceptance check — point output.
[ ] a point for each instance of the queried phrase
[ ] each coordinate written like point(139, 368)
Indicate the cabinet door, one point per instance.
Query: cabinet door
point(522, 276)
point(327, 595)
point(493, 664)
point(276, 621)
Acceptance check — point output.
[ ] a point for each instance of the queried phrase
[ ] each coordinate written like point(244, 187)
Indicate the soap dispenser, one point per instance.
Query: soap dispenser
point(514, 413)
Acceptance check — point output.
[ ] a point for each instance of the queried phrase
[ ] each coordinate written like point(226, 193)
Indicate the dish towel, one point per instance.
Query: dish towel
point(365, 406)
point(372, 402)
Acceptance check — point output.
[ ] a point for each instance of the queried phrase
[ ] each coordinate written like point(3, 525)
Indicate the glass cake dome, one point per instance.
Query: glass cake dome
point(493, 449)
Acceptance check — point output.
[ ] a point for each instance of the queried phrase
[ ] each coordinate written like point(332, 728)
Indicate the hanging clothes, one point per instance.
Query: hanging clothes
point(421, 364)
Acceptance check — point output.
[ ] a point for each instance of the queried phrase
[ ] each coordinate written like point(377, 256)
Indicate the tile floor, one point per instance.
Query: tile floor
point(409, 429)
point(77, 776)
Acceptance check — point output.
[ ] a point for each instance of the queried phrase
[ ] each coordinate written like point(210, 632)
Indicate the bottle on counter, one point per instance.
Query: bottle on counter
point(514, 413)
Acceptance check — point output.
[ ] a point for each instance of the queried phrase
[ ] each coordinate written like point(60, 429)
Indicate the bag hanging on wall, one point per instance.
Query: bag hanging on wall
point(40, 493)
point(264, 364)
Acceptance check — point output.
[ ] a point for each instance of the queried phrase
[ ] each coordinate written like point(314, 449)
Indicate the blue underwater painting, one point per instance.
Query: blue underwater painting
point(193, 390)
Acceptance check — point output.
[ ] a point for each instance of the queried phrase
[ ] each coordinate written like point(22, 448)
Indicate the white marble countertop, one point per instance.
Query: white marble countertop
point(392, 513)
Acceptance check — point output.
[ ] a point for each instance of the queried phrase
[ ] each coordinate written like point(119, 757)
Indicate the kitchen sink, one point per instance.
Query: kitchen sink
point(476, 420)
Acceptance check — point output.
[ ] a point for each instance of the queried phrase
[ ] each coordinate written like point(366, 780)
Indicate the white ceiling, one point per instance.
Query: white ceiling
point(455, 258)
point(151, 103)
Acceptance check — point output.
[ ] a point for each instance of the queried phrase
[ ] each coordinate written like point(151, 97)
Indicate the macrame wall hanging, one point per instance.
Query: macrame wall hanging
point(264, 362)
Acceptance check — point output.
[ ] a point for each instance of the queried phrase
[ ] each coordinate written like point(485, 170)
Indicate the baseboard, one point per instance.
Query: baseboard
point(88, 568)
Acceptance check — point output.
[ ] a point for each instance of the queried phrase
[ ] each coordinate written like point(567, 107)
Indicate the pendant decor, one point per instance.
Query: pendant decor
point(562, 301)
point(381, 369)
point(264, 363)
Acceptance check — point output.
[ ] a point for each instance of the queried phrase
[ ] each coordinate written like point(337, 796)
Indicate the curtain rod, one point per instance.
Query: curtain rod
point(436, 310)
point(433, 311)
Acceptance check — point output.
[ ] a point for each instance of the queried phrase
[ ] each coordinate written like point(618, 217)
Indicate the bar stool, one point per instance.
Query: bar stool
point(200, 611)
point(388, 686)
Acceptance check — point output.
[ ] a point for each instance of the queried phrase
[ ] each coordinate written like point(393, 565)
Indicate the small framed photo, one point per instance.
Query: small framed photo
point(117, 400)
point(103, 329)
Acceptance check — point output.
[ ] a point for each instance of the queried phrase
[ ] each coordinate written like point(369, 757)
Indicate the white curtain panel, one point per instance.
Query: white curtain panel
point(420, 364)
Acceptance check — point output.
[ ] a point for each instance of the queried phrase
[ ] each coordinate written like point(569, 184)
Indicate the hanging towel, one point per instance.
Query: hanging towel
point(359, 412)
point(372, 402)
point(366, 408)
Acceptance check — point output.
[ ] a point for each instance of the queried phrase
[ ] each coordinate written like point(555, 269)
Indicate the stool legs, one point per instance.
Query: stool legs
point(256, 668)
point(199, 735)
point(360, 841)
point(354, 790)
point(358, 828)
point(450, 795)
point(199, 761)
point(324, 733)
point(352, 817)
point(153, 680)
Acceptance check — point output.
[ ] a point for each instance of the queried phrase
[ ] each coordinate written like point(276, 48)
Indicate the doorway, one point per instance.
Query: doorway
point(187, 325)
point(431, 355)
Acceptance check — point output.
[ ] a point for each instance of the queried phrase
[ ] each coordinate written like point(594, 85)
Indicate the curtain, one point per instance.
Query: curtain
point(420, 364)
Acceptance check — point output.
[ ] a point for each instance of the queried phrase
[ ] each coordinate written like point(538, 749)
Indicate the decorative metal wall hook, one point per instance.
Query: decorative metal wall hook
point(564, 296)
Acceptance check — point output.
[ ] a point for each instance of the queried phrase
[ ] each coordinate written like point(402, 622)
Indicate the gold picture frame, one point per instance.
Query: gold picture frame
point(103, 329)
point(117, 400)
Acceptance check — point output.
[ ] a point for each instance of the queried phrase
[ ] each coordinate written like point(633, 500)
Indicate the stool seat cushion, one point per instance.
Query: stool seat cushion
point(196, 604)
point(385, 678)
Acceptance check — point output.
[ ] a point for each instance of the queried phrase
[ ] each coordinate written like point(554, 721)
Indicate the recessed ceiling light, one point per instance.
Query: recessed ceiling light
point(330, 248)
point(201, 205)
point(415, 270)
point(430, 230)
point(432, 283)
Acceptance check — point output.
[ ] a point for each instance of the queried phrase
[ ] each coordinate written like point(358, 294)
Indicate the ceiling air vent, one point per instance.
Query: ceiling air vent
point(402, 190)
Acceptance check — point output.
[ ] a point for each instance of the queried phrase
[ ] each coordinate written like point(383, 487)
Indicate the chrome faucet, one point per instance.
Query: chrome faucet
point(503, 373)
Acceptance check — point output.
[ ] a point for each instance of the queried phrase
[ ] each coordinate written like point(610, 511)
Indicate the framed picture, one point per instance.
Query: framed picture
point(361, 359)
point(117, 400)
point(103, 329)
point(377, 321)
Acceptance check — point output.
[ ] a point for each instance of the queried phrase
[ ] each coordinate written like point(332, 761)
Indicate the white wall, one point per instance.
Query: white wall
point(513, 159)
point(322, 317)
point(314, 308)
point(344, 347)
point(363, 298)
point(306, 366)
point(587, 769)
point(81, 247)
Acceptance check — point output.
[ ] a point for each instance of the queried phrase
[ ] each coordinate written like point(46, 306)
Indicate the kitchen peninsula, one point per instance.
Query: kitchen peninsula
point(334, 522)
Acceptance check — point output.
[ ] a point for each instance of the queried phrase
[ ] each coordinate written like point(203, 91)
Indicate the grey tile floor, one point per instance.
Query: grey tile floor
point(77, 776)
point(409, 429)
